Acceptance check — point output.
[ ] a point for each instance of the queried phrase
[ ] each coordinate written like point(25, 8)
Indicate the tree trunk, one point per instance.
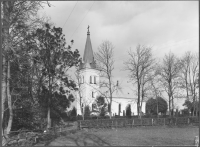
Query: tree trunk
point(172, 105)
point(3, 94)
point(83, 112)
point(110, 108)
point(169, 105)
point(6, 42)
point(9, 101)
point(110, 89)
point(48, 118)
point(138, 103)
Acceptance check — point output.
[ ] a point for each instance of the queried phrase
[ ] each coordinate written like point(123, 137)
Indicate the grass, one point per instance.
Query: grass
point(162, 135)
point(150, 136)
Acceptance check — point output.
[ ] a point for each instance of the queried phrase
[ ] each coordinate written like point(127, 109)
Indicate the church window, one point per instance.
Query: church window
point(90, 79)
point(119, 108)
point(95, 80)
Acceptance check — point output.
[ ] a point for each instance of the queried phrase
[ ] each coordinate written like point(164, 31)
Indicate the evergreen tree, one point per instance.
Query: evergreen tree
point(154, 106)
point(53, 60)
point(87, 111)
point(128, 110)
point(74, 112)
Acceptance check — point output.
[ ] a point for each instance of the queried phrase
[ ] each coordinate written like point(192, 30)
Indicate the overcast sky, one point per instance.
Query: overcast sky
point(164, 25)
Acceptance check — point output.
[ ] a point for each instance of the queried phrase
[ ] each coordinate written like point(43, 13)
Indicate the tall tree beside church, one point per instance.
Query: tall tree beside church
point(105, 62)
point(18, 17)
point(189, 76)
point(55, 59)
point(169, 73)
point(140, 65)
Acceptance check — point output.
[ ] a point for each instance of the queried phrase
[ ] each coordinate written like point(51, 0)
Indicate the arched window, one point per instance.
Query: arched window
point(119, 108)
point(90, 79)
point(95, 80)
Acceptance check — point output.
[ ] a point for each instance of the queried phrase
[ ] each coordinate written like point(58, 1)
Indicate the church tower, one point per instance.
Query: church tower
point(88, 78)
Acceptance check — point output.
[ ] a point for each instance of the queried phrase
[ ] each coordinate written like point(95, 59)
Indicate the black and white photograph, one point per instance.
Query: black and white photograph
point(99, 73)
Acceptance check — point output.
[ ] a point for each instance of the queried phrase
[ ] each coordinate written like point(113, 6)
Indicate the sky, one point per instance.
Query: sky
point(164, 25)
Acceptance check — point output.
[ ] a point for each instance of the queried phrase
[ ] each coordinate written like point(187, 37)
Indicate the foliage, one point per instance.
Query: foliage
point(53, 60)
point(191, 106)
point(151, 105)
point(19, 19)
point(30, 83)
point(128, 110)
point(100, 100)
point(73, 112)
point(102, 105)
point(87, 111)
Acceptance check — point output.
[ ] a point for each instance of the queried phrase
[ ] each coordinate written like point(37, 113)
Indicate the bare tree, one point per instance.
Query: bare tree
point(140, 65)
point(193, 82)
point(169, 74)
point(155, 86)
point(189, 76)
point(105, 63)
point(184, 72)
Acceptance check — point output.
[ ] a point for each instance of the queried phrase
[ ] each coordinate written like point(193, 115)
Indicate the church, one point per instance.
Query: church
point(89, 79)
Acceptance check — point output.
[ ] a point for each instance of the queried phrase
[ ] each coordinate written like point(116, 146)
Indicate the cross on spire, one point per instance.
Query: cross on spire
point(88, 30)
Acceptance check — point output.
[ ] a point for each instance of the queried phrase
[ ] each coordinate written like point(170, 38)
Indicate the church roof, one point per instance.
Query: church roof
point(88, 57)
point(88, 53)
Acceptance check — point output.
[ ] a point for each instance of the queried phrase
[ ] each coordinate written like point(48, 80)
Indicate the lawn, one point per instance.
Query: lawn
point(162, 135)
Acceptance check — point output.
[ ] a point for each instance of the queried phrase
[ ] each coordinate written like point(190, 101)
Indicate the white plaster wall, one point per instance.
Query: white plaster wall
point(87, 88)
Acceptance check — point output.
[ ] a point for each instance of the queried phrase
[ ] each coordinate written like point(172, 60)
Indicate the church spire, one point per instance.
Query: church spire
point(88, 53)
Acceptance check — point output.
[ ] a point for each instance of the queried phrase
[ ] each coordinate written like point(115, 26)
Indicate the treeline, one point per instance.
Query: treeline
point(36, 89)
point(178, 77)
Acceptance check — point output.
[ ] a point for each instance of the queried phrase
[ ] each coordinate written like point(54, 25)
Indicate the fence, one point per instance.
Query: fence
point(110, 123)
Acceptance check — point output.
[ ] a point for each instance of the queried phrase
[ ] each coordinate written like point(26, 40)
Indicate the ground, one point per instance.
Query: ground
point(162, 135)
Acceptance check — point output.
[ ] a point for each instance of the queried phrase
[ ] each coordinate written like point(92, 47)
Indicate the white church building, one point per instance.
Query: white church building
point(89, 89)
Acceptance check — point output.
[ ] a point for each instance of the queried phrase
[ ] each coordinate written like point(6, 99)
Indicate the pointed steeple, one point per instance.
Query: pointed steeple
point(88, 57)
point(88, 53)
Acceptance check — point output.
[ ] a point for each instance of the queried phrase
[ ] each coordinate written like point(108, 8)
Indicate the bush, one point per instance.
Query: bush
point(103, 111)
point(73, 112)
point(128, 110)
point(87, 111)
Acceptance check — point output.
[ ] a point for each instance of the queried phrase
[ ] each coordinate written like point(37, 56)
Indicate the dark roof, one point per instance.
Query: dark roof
point(88, 57)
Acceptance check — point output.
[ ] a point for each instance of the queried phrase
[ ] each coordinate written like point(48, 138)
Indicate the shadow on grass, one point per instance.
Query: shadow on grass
point(77, 139)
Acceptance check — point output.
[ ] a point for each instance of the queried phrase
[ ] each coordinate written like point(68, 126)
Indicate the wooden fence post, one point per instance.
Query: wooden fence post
point(176, 121)
point(132, 122)
point(112, 124)
point(124, 122)
point(164, 121)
